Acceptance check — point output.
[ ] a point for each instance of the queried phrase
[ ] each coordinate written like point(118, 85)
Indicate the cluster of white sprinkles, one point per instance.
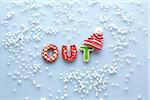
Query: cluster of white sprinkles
point(96, 79)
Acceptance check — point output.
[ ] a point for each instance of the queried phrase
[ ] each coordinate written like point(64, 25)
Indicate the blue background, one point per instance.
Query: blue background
point(138, 84)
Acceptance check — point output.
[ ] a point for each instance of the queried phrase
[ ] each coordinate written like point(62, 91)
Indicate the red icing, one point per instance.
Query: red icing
point(73, 53)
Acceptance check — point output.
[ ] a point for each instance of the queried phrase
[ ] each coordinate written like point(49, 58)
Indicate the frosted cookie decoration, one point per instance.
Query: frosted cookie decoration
point(95, 40)
point(73, 53)
point(86, 52)
point(45, 53)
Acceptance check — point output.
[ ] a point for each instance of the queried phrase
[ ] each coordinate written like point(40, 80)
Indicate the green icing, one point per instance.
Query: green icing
point(86, 52)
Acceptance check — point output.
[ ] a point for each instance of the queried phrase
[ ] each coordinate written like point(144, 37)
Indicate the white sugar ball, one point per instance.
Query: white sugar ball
point(26, 98)
point(139, 97)
point(99, 30)
point(125, 89)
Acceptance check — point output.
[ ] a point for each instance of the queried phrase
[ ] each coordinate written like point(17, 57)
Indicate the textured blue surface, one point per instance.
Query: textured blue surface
point(138, 83)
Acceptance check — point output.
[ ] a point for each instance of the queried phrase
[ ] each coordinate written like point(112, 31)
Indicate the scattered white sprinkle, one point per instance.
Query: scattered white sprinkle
point(43, 98)
point(50, 95)
point(127, 76)
point(125, 89)
point(139, 97)
point(46, 68)
point(19, 81)
point(106, 94)
point(131, 70)
point(50, 74)
point(26, 98)
point(14, 90)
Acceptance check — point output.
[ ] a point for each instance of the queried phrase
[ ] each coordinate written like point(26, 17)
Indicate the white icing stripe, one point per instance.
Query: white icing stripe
point(93, 45)
point(95, 41)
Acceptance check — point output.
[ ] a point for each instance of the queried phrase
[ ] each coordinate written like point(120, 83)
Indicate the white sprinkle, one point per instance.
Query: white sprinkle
point(57, 97)
point(96, 62)
point(68, 38)
point(117, 84)
point(38, 85)
point(112, 84)
point(46, 68)
point(58, 91)
point(14, 90)
point(50, 74)
point(19, 81)
point(127, 76)
point(42, 98)
point(106, 94)
point(139, 97)
point(126, 89)
point(138, 64)
point(9, 74)
point(131, 70)
point(100, 98)
point(50, 95)
point(26, 98)
point(65, 94)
